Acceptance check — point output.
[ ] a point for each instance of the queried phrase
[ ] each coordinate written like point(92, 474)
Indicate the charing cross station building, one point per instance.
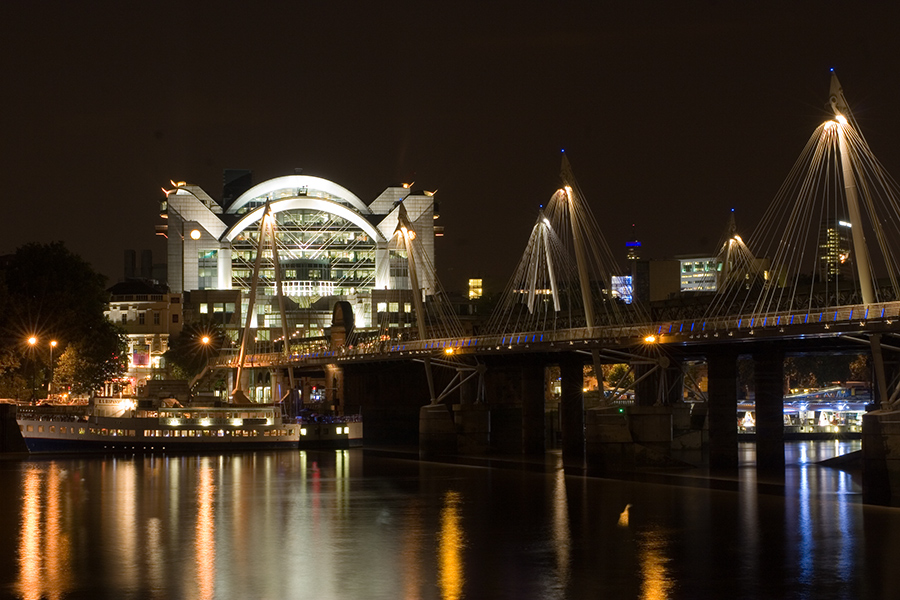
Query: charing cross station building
point(331, 245)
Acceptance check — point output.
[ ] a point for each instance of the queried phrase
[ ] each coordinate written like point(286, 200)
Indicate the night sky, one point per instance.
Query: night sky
point(671, 113)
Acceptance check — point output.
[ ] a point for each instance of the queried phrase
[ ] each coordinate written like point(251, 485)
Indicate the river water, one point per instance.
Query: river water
point(362, 524)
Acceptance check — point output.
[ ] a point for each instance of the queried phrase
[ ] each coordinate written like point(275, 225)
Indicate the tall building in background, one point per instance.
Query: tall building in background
point(476, 289)
point(633, 247)
point(834, 250)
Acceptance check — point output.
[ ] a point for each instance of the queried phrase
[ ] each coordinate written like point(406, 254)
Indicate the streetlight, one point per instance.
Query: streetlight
point(31, 342)
point(50, 385)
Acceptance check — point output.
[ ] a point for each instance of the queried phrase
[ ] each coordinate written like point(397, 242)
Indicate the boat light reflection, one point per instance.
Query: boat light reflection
point(450, 546)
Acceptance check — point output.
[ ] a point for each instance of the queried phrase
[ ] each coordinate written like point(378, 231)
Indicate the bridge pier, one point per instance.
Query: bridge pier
point(722, 391)
point(472, 420)
point(769, 381)
point(646, 387)
point(514, 394)
point(571, 409)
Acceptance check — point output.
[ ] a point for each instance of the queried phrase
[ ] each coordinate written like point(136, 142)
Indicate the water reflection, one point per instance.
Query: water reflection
point(43, 550)
point(562, 539)
point(657, 583)
point(450, 547)
point(333, 525)
point(206, 533)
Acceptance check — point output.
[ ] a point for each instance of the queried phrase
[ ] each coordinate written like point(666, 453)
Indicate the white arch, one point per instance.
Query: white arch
point(328, 206)
point(298, 181)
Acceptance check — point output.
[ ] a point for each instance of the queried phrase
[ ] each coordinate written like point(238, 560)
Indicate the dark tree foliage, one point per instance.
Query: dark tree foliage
point(188, 354)
point(48, 292)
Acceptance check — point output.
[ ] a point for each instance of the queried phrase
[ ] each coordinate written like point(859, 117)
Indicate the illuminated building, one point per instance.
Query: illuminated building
point(834, 250)
point(476, 289)
point(332, 247)
point(698, 273)
point(622, 287)
point(150, 315)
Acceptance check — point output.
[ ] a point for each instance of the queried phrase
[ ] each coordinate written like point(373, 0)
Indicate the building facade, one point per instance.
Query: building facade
point(150, 316)
point(331, 247)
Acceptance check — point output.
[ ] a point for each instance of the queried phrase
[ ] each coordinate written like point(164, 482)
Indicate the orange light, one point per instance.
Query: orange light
point(32, 340)
point(650, 339)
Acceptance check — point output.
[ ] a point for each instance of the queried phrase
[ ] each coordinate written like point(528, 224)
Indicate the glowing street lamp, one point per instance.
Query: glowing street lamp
point(50, 385)
point(31, 342)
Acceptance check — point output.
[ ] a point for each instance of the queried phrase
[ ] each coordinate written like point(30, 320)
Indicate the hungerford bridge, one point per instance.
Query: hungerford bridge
point(794, 286)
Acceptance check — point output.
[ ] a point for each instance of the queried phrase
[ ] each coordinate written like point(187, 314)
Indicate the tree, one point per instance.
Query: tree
point(618, 374)
point(188, 354)
point(87, 364)
point(860, 368)
point(48, 292)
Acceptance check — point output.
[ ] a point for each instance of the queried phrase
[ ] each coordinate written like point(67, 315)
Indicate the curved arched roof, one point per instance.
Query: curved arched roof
point(312, 184)
point(329, 206)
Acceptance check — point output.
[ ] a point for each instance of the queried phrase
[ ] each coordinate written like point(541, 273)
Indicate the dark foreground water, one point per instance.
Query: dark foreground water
point(353, 524)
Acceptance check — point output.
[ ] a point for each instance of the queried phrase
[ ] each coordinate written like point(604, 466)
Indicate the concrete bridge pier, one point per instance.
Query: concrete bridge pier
point(437, 431)
point(571, 410)
point(722, 415)
point(514, 394)
point(769, 381)
point(472, 419)
point(646, 388)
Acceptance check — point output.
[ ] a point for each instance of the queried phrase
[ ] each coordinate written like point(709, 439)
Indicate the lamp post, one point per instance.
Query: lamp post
point(50, 384)
point(31, 342)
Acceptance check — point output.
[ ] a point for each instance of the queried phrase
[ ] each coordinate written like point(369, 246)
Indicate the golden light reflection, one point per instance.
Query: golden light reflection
point(155, 555)
point(44, 567)
point(562, 541)
point(657, 584)
point(624, 516)
point(56, 549)
point(29, 583)
point(205, 543)
point(450, 546)
point(122, 517)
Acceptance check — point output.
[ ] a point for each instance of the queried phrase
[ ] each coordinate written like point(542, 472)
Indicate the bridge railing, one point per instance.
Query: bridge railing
point(886, 311)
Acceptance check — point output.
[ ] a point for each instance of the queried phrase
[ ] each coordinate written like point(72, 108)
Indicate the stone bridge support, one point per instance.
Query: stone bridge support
point(514, 394)
point(571, 409)
point(769, 383)
point(722, 391)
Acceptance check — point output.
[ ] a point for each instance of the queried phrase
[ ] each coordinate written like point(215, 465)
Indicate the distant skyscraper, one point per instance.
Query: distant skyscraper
point(834, 250)
point(633, 247)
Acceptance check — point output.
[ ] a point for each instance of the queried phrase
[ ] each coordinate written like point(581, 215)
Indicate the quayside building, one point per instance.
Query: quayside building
point(332, 246)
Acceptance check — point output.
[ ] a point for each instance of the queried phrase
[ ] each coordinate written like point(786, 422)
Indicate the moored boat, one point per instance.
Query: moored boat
point(129, 425)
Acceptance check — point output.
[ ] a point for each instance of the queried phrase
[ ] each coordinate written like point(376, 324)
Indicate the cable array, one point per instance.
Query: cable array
point(567, 273)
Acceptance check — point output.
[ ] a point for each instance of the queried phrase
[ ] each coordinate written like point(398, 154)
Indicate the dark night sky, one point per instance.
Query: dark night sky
point(671, 112)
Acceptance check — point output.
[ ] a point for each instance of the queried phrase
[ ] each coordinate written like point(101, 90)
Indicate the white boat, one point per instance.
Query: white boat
point(126, 424)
